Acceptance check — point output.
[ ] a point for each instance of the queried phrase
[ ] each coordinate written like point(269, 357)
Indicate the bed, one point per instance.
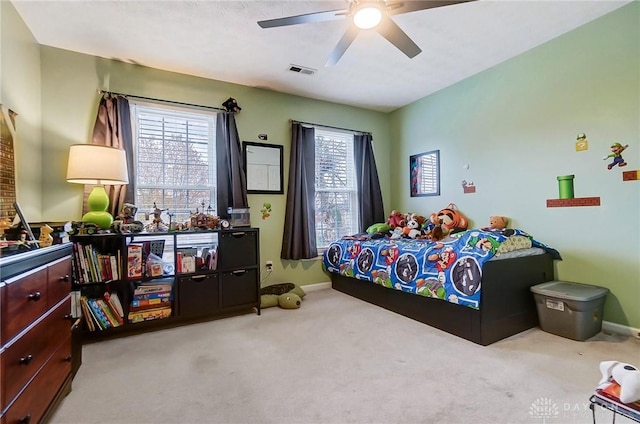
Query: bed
point(475, 284)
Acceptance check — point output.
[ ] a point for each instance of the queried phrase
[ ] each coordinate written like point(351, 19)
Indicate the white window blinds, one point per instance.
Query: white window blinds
point(335, 184)
point(174, 159)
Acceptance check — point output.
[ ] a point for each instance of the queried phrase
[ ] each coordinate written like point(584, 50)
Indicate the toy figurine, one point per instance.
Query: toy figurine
point(157, 226)
point(616, 154)
point(45, 239)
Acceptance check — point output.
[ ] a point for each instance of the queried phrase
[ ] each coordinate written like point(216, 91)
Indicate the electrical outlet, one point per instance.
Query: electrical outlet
point(269, 265)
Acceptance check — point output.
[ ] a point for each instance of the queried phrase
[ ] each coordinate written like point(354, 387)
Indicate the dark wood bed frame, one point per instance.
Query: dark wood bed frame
point(507, 306)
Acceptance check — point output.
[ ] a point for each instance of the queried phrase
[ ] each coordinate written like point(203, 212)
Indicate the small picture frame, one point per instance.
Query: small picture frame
point(424, 174)
point(24, 223)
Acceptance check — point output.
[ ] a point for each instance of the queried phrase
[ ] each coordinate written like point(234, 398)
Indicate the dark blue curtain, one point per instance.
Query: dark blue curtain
point(369, 194)
point(232, 183)
point(299, 237)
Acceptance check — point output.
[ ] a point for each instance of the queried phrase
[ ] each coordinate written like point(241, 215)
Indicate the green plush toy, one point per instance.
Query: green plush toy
point(285, 295)
point(289, 301)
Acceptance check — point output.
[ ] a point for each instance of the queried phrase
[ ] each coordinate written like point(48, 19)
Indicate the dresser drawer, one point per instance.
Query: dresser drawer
point(26, 300)
point(26, 355)
point(33, 402)
point(58, 281)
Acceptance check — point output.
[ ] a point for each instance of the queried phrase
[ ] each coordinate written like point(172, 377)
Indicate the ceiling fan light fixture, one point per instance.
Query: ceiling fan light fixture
point(367, 17)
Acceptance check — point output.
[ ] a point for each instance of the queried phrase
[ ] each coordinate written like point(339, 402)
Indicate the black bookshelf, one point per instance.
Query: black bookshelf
point(222, 278)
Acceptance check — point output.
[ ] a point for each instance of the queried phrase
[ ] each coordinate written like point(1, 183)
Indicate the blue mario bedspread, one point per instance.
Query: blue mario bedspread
point(449, 269)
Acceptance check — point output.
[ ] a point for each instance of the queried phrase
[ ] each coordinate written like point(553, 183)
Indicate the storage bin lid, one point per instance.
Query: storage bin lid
point(570, 291)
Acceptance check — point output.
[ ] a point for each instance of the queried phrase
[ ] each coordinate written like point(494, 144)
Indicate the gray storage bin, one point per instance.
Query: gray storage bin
point(571, 310)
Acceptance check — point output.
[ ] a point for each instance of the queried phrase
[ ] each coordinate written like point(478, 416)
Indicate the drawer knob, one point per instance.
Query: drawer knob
point(35, 296)
point(25, 360)
point(67, 358)
point(64, 278)
point(25, 420)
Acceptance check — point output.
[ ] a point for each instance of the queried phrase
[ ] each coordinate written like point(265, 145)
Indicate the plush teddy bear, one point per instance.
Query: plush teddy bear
point(450, 219)
point(497, 223)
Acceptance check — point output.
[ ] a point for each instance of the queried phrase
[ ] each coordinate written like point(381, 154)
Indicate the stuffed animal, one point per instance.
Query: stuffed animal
point(497, 223)
point(413, 229)
point(396, 219)
point(450, 219)
point(433, 232)
point(627, 376)
point(285, 295)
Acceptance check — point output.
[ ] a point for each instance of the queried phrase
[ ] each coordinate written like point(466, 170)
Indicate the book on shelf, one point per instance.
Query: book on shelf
point(114, 301)
point(92, 266)
point(99, 313)
point(89, 319)
point(140, 304)
point(149, 314)
point(210, 258)
point(111, 309)
point(134, 261)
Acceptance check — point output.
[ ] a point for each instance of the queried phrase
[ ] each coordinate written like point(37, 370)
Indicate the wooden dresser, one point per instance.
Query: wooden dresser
point(35, 333)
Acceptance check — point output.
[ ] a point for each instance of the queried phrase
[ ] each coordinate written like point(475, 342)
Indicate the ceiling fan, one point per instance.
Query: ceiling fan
point(366, 14)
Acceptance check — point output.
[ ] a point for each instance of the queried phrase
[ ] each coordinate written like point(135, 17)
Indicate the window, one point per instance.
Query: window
point(174, 159)
point(336, 193)
point(424, 172)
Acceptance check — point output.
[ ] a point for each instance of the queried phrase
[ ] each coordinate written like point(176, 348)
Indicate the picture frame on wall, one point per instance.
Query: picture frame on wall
point(263, 167)
point(424, 174)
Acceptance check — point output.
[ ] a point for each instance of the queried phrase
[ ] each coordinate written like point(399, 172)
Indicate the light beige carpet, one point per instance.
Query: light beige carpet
point(338, 359)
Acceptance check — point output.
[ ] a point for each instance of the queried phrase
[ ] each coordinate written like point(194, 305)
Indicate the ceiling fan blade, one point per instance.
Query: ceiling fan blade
point(412, 6)
point(342, 46)
point(329, 15)
point(396, 36)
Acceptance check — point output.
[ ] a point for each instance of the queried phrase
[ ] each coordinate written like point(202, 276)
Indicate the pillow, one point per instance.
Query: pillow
point(514, 243)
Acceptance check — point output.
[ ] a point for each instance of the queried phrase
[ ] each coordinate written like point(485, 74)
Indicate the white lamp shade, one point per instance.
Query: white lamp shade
point(96, 164)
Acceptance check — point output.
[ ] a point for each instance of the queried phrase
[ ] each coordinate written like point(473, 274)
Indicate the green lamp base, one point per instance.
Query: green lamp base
point(100, 218)
point(98, 202)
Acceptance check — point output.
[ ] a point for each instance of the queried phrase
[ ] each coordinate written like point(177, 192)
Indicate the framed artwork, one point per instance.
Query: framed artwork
point(263, 167)
point(424, 174)
point(24, 223)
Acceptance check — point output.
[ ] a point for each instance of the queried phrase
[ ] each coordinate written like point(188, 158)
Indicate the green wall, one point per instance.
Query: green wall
point(69, 103)
point(20, 92)
point(515, 125)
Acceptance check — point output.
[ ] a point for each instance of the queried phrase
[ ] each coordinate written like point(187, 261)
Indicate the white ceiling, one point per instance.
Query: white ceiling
point(221, 40)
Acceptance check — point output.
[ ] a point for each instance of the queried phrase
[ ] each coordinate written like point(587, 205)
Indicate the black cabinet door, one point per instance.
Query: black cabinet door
point(198, 295)
point(240, 287)
point(238, 249)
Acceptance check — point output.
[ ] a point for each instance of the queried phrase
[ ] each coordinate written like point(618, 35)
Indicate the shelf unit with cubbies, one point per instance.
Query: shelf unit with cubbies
point(163, 279)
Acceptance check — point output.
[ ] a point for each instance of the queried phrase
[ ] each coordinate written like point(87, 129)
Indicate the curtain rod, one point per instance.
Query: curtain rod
point(159, 100)
point(293, 121)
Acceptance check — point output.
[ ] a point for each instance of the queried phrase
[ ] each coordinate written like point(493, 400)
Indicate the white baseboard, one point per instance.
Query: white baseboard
point(624, 330)
point(317, 286)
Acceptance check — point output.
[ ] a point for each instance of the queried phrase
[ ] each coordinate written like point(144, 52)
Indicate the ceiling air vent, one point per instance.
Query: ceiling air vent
point(302, 69)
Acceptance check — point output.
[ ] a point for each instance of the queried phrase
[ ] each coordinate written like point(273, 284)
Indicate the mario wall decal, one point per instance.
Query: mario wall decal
point(581, 142)
point(616, 154)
